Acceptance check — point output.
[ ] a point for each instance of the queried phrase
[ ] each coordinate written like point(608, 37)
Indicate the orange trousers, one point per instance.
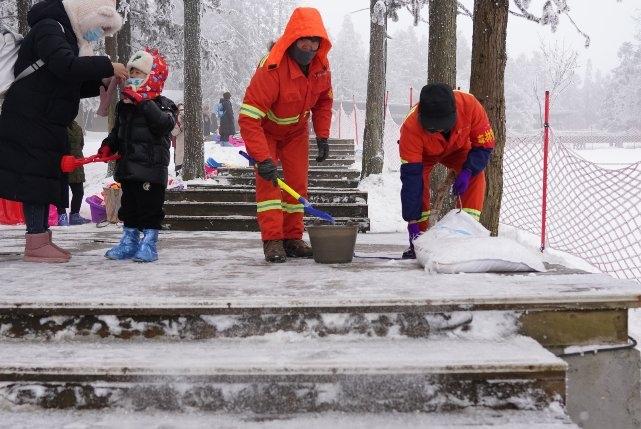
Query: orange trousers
point(471, 200)
point(280, 217)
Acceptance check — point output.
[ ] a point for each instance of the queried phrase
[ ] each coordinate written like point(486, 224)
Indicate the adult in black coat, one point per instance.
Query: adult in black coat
point(227, 126)
point(38, 108)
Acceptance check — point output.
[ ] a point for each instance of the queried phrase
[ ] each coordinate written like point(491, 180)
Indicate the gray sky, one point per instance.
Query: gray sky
point(608, 23)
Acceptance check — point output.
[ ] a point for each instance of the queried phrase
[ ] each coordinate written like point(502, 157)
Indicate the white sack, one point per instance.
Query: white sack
point(460, 244)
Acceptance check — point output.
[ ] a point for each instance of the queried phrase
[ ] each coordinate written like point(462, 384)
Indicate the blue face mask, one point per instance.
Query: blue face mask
point(134, 82)
point(94, 35)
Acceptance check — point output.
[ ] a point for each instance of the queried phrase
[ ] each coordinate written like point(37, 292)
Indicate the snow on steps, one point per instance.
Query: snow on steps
point(282, 374)
point(476, 418)
point(204, 193)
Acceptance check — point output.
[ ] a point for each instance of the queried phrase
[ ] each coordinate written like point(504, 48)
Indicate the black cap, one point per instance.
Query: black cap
point(226, 95)
point(437, 107)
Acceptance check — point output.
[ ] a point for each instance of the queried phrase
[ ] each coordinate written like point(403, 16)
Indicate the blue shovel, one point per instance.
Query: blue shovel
point(309, 209)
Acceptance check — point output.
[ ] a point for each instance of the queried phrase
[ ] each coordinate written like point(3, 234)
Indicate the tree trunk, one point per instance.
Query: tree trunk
point(374, 111)
point(124, 41)
point(22, 7)
point(487, 83)
point(111, 49)
point(122, 53)
point(441, 60)
point(441, 68)
point(193, 162)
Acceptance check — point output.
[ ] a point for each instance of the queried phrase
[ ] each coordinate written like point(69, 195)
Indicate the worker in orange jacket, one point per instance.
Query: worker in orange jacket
point(291, 81)
point(450, 128)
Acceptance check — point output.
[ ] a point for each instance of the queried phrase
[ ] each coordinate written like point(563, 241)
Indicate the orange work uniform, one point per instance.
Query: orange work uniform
point(469, 146)
point(274, 118)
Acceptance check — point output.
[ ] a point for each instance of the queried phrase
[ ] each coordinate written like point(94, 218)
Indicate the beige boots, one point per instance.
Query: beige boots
point(39, 248)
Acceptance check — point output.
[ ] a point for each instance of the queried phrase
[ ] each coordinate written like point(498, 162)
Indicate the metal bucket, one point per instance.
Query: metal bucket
point(333, 244)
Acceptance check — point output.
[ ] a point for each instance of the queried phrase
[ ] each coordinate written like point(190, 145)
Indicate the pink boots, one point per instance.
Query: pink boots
point(39, 248)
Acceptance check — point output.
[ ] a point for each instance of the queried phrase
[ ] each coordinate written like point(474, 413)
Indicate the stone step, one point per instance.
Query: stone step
point(248, 194)
point(314, 173)
point(323, 166)
point(277, 375)
point(356, 210)
point(334, 142)
point(344, 162)
point(240, 223)
point(468, 418)
point(335, 153)
point(340, 210)
point(313, 182)
point(182, 326)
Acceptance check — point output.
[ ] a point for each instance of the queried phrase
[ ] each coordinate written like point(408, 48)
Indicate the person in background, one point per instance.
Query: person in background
point(178, 138)
point(38, 109)
point(141, 135)
point(206, 122)
point(227, 126)
point(450, 128)
point(214, 121)
point(75, 179)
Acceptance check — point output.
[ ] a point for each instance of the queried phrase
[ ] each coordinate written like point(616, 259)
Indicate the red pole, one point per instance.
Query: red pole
point(411, 97)
point(340, 111)
point(546, 147)
point(355, 122)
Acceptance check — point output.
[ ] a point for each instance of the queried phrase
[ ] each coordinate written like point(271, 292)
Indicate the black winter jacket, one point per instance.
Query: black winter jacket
point(142, 136)
point(227, 127)
point(38, 108)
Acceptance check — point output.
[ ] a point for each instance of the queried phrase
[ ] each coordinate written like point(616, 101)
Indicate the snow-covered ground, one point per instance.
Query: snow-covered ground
point(611, 157)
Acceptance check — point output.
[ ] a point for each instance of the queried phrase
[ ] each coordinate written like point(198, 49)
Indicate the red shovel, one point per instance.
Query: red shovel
point(68, 163)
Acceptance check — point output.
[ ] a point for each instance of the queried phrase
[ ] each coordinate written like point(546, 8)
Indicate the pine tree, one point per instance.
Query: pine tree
point(374, 117)
point(348, 59)
point(193, 163)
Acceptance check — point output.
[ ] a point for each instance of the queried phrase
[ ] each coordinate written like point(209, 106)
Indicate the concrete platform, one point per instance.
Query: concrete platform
point(225, 273)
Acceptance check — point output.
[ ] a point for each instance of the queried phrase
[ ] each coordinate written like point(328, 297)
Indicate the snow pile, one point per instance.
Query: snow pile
point(384, 202)
point(460, 244)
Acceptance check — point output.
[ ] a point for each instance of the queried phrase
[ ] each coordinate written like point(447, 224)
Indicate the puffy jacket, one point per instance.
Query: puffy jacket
point(142, 136)
point(227, 127)
point(39, 108)
point(280, 97)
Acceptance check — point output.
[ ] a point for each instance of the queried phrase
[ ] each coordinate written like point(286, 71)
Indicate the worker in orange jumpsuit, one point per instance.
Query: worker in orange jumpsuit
point(291, 82)
point(449, 128)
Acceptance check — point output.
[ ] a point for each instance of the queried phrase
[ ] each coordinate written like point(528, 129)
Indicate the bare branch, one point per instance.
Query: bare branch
point(462, 10)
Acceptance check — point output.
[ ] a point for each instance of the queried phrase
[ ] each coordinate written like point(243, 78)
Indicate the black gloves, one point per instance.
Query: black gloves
point(267, 170)
point(323, 149)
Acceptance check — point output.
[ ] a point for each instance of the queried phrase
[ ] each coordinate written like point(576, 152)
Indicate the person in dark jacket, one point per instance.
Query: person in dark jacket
point(141, 135)
point(38, 109)
point(76, 179)
point(227, 127)
point(206, 123)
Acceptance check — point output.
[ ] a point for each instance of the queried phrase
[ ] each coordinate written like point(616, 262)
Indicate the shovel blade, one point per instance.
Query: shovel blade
point(320, 214)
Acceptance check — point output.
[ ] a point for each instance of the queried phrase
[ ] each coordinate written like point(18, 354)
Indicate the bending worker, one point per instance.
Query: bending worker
point(290, 82)
point(450, 128)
